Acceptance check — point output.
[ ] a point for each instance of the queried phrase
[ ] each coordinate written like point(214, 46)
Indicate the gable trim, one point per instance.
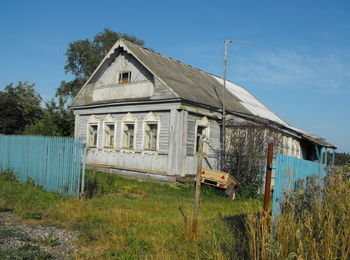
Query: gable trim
point(121, 43)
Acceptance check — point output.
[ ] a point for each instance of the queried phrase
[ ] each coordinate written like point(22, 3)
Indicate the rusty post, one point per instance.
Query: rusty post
point(198, 188)
point(268, 181)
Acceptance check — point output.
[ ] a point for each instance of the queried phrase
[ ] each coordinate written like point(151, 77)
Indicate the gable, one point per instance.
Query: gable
point(105, 86)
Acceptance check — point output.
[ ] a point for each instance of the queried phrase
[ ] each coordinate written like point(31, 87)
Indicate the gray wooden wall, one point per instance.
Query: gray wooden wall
point(176, 139)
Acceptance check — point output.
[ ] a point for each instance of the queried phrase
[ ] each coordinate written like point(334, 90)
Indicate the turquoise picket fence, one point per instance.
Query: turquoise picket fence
point(288, 170)
point(54, 163)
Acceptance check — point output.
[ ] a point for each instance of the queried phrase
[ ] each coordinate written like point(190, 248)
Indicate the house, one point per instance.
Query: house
point(143, 112)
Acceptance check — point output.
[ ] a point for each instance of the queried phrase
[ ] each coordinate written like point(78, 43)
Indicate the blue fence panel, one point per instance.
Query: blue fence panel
point(288, 171)
point(51, 162)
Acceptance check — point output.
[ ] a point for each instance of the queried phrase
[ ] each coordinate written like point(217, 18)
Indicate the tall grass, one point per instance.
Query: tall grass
point(128, 219)
point(319, 230)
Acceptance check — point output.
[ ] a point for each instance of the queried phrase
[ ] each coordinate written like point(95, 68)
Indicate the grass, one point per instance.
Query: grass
point(128, 219)
point(320, 229)
point(23, 253)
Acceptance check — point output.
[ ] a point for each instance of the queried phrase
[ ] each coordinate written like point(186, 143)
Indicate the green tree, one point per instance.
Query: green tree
point(83, 57)
point(19, 107)
point(57, 120)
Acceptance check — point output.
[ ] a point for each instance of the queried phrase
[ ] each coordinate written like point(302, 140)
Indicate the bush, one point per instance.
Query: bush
point(9, 175)
point(91, 186)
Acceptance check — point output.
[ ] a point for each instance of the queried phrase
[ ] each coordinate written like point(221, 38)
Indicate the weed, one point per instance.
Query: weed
point(33, 215)
point(314, 225)
point(49, 241)
point(24, 253)
point(9, 175)
point(3, 207)
point(8, 233)
point(30, 181)
point(91, 186)
point(129, 219)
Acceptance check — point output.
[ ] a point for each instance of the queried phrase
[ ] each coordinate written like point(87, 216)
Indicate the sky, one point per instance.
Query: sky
point(297, 61)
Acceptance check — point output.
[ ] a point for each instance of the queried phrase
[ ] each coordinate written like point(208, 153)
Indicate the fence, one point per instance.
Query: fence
point(54, 163)
point(288, 171)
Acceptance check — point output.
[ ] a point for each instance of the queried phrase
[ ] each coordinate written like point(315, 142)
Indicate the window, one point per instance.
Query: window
point(151, 127)
point(151, 135)
point(201, 132)
point(128, 130)
point(109, 135)
point(93, 130)
point(128, 136)
point(125, 77)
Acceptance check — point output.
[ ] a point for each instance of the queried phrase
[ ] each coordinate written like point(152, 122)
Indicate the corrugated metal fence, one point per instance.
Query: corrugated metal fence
point(288, 171)
point(54, 163)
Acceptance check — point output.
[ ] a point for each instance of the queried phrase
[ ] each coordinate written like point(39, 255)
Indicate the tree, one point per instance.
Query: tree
point(57, 120)
point(245, 155)
point(83, 57)
point(19, 107)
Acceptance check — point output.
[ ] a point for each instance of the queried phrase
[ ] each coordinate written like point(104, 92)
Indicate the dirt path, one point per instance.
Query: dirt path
point(21, 241)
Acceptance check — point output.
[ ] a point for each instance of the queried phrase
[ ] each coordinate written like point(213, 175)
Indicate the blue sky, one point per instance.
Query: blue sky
point(298, 61)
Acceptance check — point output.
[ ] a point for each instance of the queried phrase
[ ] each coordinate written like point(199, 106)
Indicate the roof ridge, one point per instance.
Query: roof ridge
point(168, 57)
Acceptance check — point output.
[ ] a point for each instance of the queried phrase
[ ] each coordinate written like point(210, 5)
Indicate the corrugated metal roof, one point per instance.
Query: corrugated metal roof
point(200, 87)
point(187, 82)
point(251, 103)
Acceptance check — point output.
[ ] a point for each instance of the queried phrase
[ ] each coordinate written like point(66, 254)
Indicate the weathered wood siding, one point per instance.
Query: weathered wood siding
point(163, 134)
point(212, 159)
point(117, 157)
point(104, 85)
point(176, 139)
point(140, 85)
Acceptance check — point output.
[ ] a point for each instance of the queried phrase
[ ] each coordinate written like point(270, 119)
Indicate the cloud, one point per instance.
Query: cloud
point(325, 73)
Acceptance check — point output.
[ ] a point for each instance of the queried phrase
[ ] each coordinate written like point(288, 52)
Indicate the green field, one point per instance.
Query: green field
point(129, 219)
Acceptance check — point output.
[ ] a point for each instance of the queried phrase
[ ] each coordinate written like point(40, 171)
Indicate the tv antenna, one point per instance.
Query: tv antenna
point(223, 125)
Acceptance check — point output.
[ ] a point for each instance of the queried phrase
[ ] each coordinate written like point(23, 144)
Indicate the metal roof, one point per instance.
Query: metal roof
point(251, 103)
point(192, 84)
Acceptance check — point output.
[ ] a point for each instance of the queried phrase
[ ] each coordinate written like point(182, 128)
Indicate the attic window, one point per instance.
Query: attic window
point(125, 77)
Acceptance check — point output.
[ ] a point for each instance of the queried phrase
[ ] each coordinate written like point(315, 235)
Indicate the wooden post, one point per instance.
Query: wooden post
point(198, 188)
point(83, 173)
point(268, 181)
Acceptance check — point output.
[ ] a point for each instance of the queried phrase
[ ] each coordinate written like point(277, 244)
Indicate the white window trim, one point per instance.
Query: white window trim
point(150, 118)
point(205, 123)
point(109, 120)
point(128, 119)
point(129, 76)
point(92, 121)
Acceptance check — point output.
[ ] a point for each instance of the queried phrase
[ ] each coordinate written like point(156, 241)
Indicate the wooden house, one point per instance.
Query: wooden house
point(143, 112)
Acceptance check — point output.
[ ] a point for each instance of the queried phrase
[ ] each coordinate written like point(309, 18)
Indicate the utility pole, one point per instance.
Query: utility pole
point(226, 43)
point(223, 125)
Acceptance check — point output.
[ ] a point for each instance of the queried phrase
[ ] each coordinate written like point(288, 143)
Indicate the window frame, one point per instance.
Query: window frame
point(149, 119)
point(132, 120)
point(120, 77)
point(203, 122)
point(92, 121)
point(109, 120)
point(128, 136)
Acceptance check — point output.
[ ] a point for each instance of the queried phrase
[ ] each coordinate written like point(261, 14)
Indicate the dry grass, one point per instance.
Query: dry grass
point(132, 220)
point(127, 219)
point(320, 232)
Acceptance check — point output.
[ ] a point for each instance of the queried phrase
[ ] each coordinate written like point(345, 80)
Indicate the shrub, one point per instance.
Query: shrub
point(9, 175)
point(91, 186)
